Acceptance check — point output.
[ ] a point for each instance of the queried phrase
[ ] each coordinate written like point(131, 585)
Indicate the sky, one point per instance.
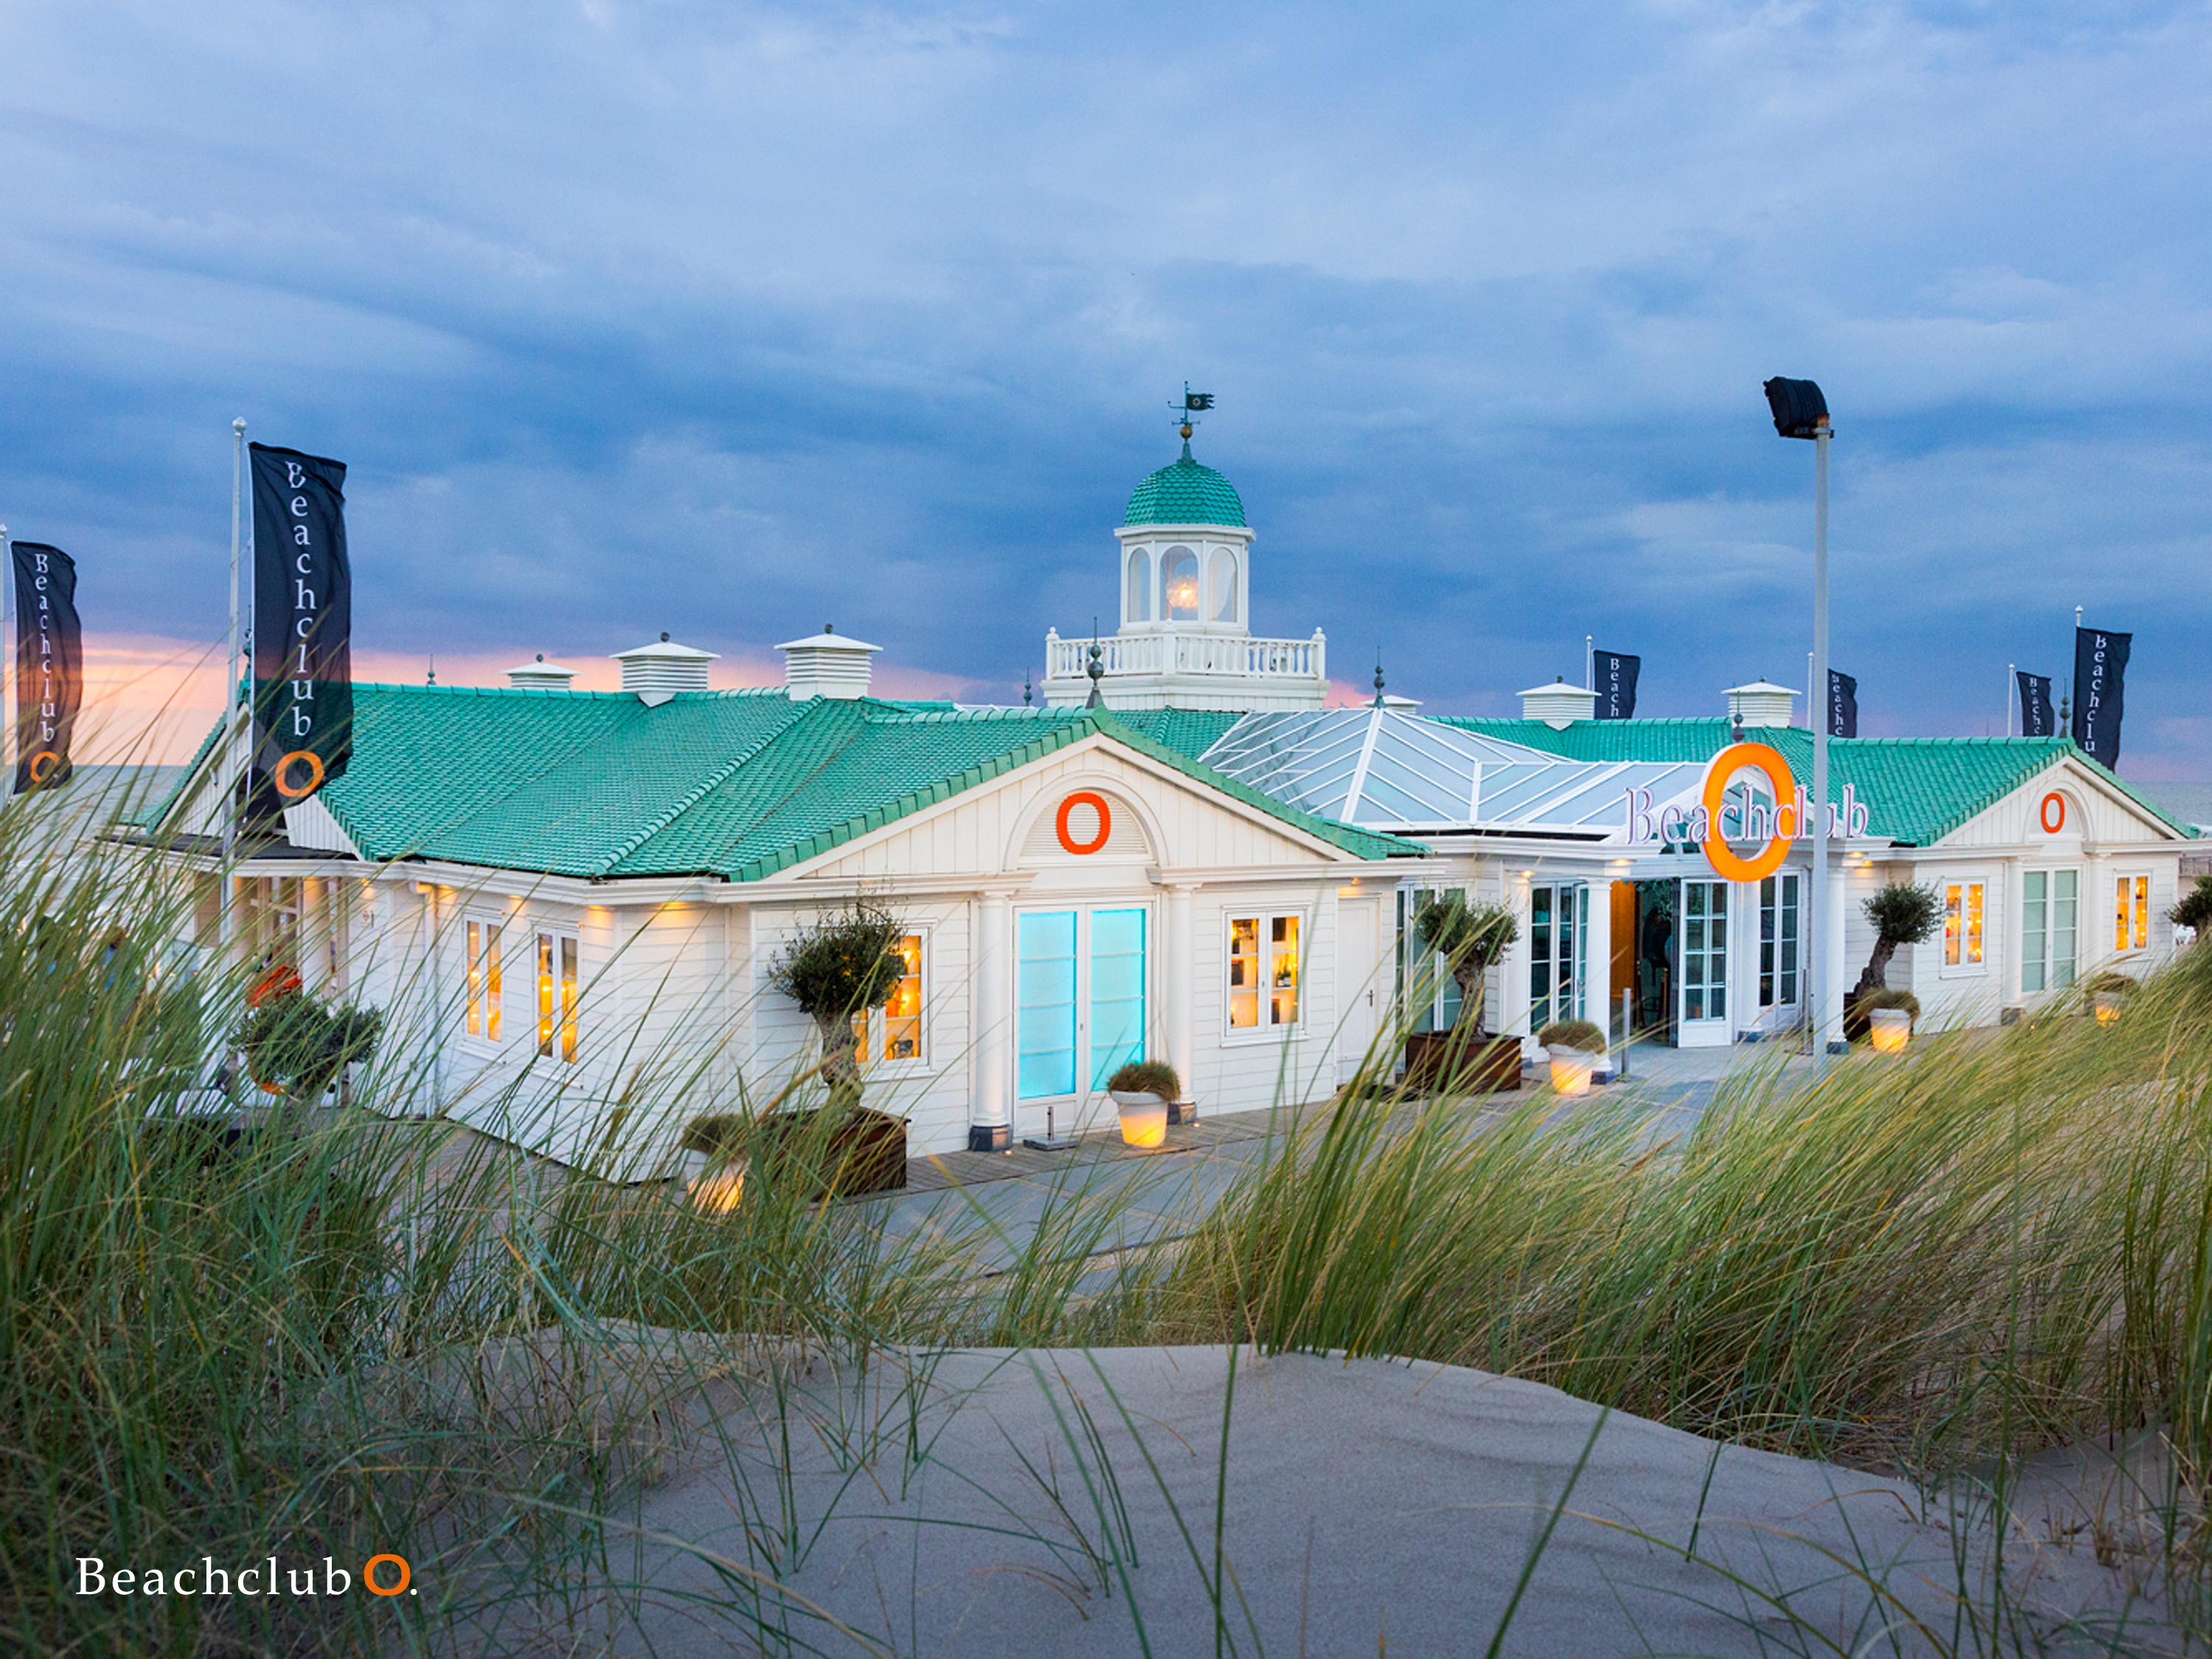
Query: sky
point(729, 319)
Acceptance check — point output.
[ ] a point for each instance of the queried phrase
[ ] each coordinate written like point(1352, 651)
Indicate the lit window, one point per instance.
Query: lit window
point(1139, 607)
point(1779, 923)
point(484, 981)
point(1179, 585)
point(1962, 924)
point(2131, 915)
point(557, 994)
point(2050, 905)
point(1223, 580)
point(898, 1023)
point(1263, 965)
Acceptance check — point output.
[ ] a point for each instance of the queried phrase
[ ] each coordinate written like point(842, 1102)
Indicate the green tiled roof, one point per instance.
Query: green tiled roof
point(1918, 789)
point(1184, 492)
point(735, 784)
point(1191, 731)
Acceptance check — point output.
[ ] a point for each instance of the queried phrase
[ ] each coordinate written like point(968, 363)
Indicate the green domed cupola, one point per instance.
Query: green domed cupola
point(1185, 492)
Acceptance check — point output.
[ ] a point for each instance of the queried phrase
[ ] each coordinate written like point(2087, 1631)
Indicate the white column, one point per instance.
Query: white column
point(1597, 957)
point(1178, 986)
point(1829, 944)
point(990, 1118)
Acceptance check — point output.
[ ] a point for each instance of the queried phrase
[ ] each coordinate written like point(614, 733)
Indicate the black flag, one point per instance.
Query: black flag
point(1843, 705)
point(1615, 674)
point(2036, 720)
point(302, 630)
point(2100, 672)
point(1197, 400)
point(49, 665)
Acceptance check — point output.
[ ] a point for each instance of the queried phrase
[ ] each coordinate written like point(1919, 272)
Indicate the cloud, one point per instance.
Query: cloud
point(727, 320)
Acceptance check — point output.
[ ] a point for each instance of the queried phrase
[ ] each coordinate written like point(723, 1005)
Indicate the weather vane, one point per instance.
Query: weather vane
point(1192, 402)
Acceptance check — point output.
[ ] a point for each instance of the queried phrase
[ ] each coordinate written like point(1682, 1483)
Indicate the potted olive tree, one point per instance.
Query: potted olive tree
point(1902, 913)
point(1573, 1049)
point(2195, 910)
point(1144, 1090)
point(1470, 938)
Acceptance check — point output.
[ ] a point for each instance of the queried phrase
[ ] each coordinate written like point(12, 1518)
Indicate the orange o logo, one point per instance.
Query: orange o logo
point(1093, 799)
point(52, 759)
point(1719, 772)
point(368, 1575)
point(2053, 802)
point(313, 783)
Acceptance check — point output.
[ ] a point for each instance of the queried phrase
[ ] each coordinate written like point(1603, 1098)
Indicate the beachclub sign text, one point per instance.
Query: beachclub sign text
point(1719, 819)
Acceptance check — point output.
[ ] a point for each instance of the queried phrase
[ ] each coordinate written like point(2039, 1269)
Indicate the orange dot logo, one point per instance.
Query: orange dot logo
point(399, 1564)
point(1720, 772)
point(2052, 813)
point(1097, 802)
point(282, 776)
point(39, 772)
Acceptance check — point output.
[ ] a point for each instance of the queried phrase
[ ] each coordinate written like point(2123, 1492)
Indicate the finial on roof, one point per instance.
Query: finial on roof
point(1192, 402)
point(1028, 690)
point(828, 628)
point(664, 637)
point(1096, 668)
point(1378, 676)
point(541, 656)
point(433, 680)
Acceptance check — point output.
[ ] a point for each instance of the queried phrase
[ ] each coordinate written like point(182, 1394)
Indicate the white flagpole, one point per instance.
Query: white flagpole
point(1589, 662)
point(2011, 669)
point(230, 681)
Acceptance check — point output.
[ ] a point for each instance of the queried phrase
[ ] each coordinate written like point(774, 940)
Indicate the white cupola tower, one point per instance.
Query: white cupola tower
point(1183, 637)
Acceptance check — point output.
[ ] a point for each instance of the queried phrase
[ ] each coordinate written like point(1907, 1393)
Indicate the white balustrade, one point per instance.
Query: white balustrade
point(1189, 653)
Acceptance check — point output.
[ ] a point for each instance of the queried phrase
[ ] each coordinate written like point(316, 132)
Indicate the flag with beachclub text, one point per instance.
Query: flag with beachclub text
point(2036, 717)
point(2100, 672)
point(1843, 705)
point(49, 665)
point(1614, 675)
point(302, 630)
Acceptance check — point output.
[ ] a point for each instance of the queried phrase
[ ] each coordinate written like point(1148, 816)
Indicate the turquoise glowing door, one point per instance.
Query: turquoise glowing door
point(1117, 992)
point(1079, 999)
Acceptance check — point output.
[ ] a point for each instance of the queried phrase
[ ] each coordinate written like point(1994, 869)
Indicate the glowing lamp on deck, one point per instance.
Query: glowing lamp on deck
point(716, 1192)
point(1570, 1071)
point(1889, 1030)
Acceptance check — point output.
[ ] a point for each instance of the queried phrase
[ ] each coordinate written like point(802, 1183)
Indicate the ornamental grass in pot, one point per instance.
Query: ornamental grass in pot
point(1573, 1049)
point(1143, 1091)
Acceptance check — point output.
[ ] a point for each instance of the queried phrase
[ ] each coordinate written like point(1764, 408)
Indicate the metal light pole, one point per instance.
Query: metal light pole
point(1800, 411)
point(223, 923)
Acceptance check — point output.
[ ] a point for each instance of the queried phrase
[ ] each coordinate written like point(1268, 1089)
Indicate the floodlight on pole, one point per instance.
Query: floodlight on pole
point(1800, 411)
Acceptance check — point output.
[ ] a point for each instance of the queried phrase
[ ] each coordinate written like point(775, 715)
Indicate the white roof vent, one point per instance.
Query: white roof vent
point(1761, 703)
point(1558, 705)
point(540, 676)
point(658, 671)
point(827, 665)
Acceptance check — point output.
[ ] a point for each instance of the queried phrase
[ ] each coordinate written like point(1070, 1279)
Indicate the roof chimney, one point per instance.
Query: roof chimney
point(1761, 703)
point(827, 665)
point(658, 671)
point(1558, 705)
point(540, 676)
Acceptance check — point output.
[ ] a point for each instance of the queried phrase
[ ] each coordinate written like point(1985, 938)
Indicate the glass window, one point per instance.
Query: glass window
point(1179, 585)
point(898, 1022)
point(2131, 914)
point(2050, 906)
point(1962, 924)
point(1117, 992)
point(558, 994)
point(1283, 975)
point(1137, 606)
point(1044, 980)
point(1244, 973)
point(1223, 586)
point(484, 981)
point(1705, 950)
point(1263, 957)
point(1778, 924)
point(1555, 915)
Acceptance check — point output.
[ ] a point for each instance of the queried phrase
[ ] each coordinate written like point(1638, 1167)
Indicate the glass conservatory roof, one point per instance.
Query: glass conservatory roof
point(1382, 768)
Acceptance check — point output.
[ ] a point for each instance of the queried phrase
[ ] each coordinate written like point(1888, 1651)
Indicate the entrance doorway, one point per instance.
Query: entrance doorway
point(1656, 906)
point(1703, 952)
point(1080, 993)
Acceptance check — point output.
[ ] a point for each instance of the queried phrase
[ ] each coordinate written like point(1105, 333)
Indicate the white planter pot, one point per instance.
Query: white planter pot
point(1571, 1070)
point(1143, 1118)
point(1889, 1030)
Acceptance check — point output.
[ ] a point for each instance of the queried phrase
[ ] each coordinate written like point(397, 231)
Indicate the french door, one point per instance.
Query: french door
point(1080, 1001)
point(1702, 1018)
point(1558, 918)
point(1780, 928)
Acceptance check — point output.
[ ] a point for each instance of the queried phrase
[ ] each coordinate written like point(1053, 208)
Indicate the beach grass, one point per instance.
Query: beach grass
point(373, 1330)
